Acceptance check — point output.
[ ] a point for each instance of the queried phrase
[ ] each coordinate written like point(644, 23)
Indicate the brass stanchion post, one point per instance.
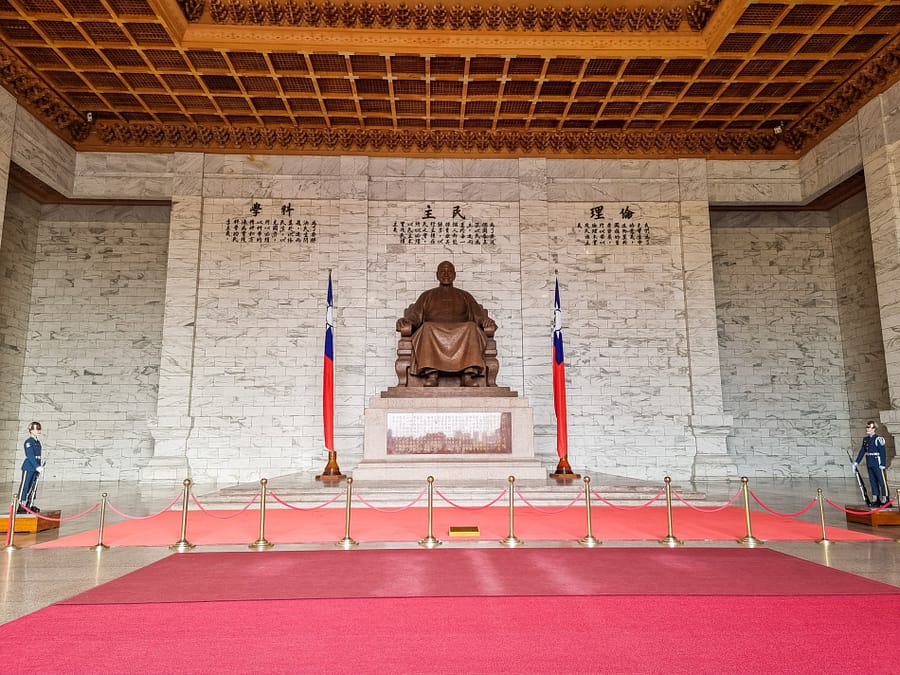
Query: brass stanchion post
point(183, 544)
point(824, 540)
point(347, 542)
point(749, 539)
point(670, 539)
point(589, 539)
point(100, 546)
point(511, 539)
point(11, 523)
point(430, 541)
point(262, 543)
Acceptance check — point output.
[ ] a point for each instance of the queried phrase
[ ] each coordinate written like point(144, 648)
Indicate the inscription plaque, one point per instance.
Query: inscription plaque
point(460, 433)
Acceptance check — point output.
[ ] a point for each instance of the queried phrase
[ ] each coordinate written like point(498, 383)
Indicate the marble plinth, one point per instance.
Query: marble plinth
point(450, 438)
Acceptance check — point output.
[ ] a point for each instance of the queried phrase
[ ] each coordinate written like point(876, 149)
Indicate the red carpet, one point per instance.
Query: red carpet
point(583, 634)
point(276, 575)
point(410, 525)
point(619, 629)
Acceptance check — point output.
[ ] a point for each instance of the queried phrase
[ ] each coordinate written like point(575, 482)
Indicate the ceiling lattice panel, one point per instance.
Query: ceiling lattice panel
point(222, 75)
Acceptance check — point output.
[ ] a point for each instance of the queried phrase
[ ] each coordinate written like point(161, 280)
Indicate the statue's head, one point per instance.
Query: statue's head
point(446, 273)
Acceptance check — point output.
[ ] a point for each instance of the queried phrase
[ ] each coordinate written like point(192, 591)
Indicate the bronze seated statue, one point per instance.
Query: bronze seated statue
point(446, 339)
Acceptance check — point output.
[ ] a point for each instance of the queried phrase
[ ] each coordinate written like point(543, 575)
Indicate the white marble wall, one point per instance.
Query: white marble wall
point(236, 331)
point(867, 384)
point(94, 335)
point(16, 273)
point(780, 343)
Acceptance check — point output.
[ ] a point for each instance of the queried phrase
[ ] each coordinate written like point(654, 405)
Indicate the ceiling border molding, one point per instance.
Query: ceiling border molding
point(840, 106)
point(455, 17)
point(37, 97)
point(507, 143)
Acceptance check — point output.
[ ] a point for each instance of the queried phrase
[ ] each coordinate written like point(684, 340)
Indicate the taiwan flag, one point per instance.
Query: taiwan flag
point(559, 380)
point(328, 376)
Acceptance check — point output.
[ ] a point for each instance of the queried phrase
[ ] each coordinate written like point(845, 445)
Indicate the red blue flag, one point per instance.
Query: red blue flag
point(328, 376)
point(559, 380)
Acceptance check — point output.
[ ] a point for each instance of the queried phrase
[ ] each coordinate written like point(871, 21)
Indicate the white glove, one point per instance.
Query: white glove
point(39, 469)
point(855, 465)
point(881, 467)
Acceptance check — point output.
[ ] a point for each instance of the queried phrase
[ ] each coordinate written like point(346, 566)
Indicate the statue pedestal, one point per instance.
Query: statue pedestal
point(451, 434)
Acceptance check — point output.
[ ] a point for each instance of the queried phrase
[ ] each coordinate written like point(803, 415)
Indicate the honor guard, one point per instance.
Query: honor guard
point(873, 450)
point(31, 469)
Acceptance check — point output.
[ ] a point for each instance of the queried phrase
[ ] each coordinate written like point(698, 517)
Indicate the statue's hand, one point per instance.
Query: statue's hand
point(489, 327)
point(404, 327)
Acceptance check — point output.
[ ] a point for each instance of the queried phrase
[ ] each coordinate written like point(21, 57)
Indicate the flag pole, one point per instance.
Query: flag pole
point(563, 469)
point(332, 471)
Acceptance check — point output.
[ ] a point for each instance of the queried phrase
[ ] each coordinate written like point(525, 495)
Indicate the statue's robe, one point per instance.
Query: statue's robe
point(448, 336)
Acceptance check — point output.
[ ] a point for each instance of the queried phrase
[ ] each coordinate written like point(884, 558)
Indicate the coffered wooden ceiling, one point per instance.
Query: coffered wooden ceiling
point(658, 78)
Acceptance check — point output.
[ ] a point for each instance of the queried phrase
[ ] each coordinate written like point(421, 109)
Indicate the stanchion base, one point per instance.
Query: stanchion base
point(261, 545)
point(11, 548)
point(181, 546)
point(98, 547)
point(346, 543)
point(671, 540)
point(873, 518)
point(590, 541)
point(750, 541)
point(430, 542)
point(512, 541)
point(825, 542)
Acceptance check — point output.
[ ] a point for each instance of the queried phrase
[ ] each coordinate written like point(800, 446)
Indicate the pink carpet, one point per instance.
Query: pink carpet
point(582, 634)
point(276, 575)
point(615, 632)
point(410, 525)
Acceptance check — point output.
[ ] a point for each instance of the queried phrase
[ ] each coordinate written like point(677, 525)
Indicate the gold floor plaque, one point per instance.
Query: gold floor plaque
point(464, 531)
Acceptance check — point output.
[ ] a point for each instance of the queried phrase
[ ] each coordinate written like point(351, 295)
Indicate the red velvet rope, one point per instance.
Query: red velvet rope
point(778, 513)
point(860, 513)
point(61, 520)
point(629, 508)
point(229, 517)
point(471, 508)
point(152, 515)
point(710, 509)
point(549, 511)
point(306, 508)
point(394, 510)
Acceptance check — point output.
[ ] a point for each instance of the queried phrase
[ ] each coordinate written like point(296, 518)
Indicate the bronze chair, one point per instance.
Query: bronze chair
point(404, 362)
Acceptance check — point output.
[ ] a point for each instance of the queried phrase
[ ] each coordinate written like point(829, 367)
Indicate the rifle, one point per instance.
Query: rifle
point(859, 480)
point(887, 490)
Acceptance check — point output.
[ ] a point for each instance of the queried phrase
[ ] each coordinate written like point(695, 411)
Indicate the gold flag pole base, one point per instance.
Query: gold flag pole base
point(332, 471)
point(564, 471)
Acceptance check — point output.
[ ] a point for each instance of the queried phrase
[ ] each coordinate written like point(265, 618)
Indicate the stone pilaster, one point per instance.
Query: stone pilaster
point(172, 425)
point(879, 128)
point(9, 423)
point(708, 421)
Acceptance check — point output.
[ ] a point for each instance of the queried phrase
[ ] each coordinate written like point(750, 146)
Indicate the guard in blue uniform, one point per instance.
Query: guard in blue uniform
point(873, 450)
point(31, 469)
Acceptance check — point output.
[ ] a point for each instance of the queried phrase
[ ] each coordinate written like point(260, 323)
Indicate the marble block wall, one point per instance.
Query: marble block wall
point(94, 333)
point(17, 250)
point(782, 361)
point(866, 375)
point(629, 390)
point(256, 390)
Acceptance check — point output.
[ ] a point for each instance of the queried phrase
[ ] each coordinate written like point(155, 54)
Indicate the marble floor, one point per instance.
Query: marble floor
point(34, 578)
